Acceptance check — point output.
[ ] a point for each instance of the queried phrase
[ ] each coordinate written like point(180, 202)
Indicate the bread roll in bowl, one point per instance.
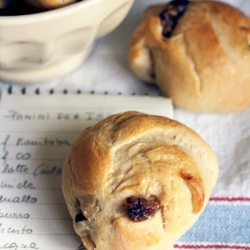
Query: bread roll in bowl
point(3, 3)
point(204, 65)
point(49, 4)
point(137, 181)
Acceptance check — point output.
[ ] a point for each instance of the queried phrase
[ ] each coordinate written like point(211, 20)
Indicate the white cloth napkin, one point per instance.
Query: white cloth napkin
point(225, 223)
point(229, 137)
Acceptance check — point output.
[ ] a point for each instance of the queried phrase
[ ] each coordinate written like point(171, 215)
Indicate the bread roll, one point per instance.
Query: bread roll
point(3, 3)
point(49, 4)
point(137, 181)
point(204, 64)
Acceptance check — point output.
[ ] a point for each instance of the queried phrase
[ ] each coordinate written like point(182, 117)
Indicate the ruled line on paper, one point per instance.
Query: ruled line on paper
point(46, 189)
point(41, 159)
point(45, 234)
point(69, 219)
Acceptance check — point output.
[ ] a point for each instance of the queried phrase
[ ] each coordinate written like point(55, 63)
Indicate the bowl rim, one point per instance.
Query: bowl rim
point(16, 19)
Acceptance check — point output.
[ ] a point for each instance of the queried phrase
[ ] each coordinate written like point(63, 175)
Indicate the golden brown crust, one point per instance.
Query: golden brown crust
point(204, 65)
point(49, 4)
point(133, 155)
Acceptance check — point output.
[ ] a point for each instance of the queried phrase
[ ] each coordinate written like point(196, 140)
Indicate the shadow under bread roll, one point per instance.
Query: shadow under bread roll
point(137, 181)
point(196, 52)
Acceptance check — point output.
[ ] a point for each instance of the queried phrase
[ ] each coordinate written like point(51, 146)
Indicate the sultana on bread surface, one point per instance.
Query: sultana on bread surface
point(197, 52)
point(137, 181)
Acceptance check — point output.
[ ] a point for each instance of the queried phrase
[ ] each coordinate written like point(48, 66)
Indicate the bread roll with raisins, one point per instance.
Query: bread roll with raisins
point(3, 3)
point(49, 4)
point(137, 181)
point(197, 52)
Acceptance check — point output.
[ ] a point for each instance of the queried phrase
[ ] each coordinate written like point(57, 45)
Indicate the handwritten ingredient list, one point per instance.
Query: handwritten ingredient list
point(36, 133)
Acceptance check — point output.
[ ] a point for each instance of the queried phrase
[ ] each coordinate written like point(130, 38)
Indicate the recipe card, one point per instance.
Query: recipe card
point(36, 133)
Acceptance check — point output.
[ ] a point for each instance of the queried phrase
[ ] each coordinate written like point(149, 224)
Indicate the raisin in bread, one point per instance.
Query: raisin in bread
point(137, 181)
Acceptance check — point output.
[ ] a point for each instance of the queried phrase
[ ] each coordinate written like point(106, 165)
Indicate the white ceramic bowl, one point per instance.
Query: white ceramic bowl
point(40, 47)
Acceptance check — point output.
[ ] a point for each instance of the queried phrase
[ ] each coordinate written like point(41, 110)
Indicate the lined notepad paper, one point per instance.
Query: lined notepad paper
point(36, 132)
